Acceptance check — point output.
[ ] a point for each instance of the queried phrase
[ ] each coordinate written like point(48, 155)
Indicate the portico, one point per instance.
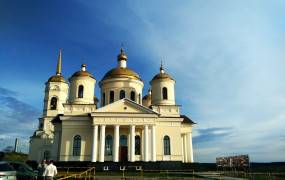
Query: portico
point(146, 153)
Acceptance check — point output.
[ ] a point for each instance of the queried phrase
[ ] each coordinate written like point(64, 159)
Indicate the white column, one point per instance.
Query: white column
point(116, 143)
point(182, 148)
point(190, 149)
point(129, 146)
point(153, 143)
point(132, 136)
point(95, 143)
point(185, 148)
point(146, 143)
point(102, 143)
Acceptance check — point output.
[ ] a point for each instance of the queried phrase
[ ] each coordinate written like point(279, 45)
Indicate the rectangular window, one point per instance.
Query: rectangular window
point(111, 97)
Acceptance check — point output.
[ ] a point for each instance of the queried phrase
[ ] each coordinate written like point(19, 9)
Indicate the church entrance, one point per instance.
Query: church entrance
point(123, 149)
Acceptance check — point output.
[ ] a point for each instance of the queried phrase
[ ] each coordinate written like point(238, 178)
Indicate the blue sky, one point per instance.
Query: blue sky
point(227, 57)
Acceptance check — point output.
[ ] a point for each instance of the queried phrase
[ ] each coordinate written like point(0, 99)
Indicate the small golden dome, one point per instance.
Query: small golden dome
point(82, 72)
point(122, 55)
point(121, 72)
point(57, 78)
point(161, 76)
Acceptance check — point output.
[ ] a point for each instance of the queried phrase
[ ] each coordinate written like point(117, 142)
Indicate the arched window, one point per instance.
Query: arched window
point(80, 91)
point(139, 96)
point(164, 93)
point(76, 145)
point(103, 99)
point(53, 103)
point(122, 94)
point(133, 96)
point(123, 140)
point(109, 145)
point(137, 145)
point(46, 155)
point(166, 145)
point(111, 97)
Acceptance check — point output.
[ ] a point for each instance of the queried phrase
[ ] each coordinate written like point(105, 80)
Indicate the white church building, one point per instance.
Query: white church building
point(123, 126)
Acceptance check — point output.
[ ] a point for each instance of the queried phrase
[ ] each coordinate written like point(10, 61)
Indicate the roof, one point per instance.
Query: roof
point(120, 72)
point(56, 119)
point(57, 78)
point(162, 76)
point(82, 74)
point(187, 120)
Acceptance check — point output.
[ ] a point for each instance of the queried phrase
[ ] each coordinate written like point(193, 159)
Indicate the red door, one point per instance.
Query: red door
point(124, 153)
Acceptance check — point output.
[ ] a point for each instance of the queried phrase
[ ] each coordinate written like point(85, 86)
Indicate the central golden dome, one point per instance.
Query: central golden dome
point(121, 73)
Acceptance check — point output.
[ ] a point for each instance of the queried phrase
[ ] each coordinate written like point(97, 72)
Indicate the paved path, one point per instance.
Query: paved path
point(213, 175)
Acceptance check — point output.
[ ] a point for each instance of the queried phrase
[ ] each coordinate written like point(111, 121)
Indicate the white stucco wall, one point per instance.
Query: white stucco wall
point(156, 88)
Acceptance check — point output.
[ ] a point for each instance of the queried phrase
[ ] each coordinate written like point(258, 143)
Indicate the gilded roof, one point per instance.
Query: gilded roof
point(56, 78)
point(121, 72)
point(82, 74)
point(162, 76)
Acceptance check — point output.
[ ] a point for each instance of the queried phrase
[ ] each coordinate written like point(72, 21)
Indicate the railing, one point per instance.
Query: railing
point(88, 174)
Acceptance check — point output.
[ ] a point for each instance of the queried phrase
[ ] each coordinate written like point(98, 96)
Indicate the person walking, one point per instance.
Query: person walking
point(41, 169)
point(50, 171)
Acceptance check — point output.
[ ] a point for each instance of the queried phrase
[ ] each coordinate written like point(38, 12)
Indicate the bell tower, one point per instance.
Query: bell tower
point(163, 94)
point(56, 91)
point(162, 86)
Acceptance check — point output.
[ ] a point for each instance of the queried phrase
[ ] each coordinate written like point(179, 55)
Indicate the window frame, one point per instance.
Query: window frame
point(80, 93)
point(166, 145)
point(111, 97)
point(122, 94)
point(123, 138)
point(53, 103)
point(133, 95)
point(164, 93)
point(137, 145)
point(109, 145)
point(76, 148)
point(46, 155)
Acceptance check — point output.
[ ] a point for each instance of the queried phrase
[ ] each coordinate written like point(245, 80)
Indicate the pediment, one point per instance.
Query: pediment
point(125, 106)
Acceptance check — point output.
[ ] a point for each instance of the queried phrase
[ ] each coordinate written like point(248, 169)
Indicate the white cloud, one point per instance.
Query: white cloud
point(230, 59)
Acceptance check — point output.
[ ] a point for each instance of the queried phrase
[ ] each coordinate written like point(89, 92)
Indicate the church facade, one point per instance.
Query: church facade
point(122, 126)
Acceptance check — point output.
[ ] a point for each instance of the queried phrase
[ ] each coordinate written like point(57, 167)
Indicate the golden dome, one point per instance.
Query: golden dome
point(162, 76)
point(82, 72)
point(57, 78)
point(121, 73)
point(122, 55)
